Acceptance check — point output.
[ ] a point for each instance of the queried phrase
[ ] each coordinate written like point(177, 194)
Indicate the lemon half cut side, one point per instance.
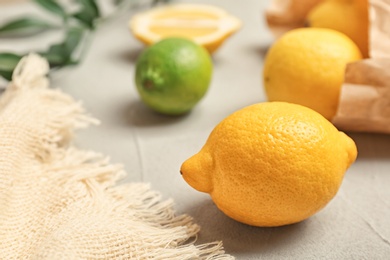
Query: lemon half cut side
point(206, 25)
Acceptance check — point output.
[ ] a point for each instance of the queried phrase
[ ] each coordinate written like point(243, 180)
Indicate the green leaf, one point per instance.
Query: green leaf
point(156, 2)
point(85, 20)
point(8, 62)
point(52, 6)
point(61, 54)
point(73, 39)
point(25, 26)
point(88, 14)
point(91, 6)
point(54, 59)
point(118, 2)
point(56, 55)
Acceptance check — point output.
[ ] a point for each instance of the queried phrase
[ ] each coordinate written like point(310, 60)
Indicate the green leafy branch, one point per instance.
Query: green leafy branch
point(77, 26)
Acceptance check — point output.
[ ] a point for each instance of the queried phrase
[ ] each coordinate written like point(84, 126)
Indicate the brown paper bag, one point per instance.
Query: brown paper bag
point(364, 104)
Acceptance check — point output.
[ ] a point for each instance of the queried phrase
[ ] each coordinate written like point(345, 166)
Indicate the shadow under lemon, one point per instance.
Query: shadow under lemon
point(240, 238)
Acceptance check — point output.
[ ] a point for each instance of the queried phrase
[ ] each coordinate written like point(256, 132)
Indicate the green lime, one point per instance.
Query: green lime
point(173, 75)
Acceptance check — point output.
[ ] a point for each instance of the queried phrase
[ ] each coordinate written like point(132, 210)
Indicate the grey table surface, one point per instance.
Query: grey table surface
point(354, 225)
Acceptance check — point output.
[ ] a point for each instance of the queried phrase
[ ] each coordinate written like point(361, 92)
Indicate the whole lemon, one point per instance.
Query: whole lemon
point(173, 75)
point(306, 66)
point(271, 164)
point(347, 16)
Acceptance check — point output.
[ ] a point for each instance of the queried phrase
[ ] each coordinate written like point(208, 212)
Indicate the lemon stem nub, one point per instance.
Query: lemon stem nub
point(196, 171)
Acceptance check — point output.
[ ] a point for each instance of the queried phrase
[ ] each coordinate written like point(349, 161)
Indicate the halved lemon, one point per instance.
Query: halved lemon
point(207, 25)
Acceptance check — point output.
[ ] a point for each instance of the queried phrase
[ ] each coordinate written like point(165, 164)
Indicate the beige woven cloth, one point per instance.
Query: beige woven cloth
point(59, 202)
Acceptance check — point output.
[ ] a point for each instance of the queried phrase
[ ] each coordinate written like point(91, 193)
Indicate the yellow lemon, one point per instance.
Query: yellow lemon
point(347, 16)
point(207, 25)
point(306, 66)
point(271, 164)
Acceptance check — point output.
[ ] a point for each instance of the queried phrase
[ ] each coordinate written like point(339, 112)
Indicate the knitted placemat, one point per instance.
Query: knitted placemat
point(60, 202)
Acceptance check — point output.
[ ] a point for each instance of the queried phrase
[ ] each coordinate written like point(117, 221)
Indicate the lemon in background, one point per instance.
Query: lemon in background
point(347, 16)
point(173, 75)
point(271, 164)
point(306, 66)
point(206, 25)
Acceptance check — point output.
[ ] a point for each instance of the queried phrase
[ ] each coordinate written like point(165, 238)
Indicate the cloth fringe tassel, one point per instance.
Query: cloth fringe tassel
point(68, 205)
